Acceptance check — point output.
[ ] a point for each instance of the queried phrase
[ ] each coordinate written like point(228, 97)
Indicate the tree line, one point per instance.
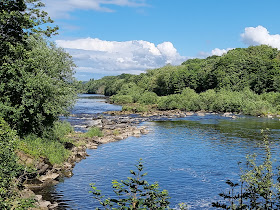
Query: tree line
point(236, 81)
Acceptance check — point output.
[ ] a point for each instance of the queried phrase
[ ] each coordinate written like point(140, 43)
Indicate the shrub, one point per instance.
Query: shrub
point(134, 193)
point(9, 168)
point(94, 132)
point(122, 99)
point(258, 187)
point(207, 99)
point(170, 102)
point(190, 100)
point(58, 131)
point(148, 98)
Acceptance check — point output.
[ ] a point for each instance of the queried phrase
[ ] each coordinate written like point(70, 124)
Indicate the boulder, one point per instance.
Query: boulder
point(52, 176)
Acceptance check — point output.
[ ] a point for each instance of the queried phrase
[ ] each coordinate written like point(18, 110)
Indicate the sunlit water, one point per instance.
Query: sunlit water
point(191, 158)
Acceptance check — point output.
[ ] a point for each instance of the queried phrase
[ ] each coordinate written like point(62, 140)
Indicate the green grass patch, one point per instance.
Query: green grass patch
point(50, 145)
point(40, 147)
point(94, 132)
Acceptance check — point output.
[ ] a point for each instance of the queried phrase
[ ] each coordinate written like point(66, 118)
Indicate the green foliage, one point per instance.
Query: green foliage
point(51, 145)
point(122, 99)
point(22, 204)
point(246, 102)
point(94, 131)
point(148, 98)
point(42, 147)
point(58, 131)
point(9, 168)
point(37, 89)
point(35, 75)
point(258, 187)
point(134, 193)
point(116, 132)
point(243, 80)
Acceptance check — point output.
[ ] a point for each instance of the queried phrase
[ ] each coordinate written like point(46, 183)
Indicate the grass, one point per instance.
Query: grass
point(50, 145)
point(39, 147)
point(94, 131)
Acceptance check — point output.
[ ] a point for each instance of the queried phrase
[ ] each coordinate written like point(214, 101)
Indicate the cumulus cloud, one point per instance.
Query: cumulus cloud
point(220, 52)
point(112, 57)
point(260, 35)
point(62, 8)
point(216, 51)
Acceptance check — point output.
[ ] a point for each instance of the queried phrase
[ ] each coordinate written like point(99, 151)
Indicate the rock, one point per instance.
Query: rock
point(44, 204)
point(201, 114)
point(144, 131)
point(119, 137)
point(227, 114)
point(136, 132)
point(68, 173)
point(39, 198)
point(53, 206)
point(67, 165)
point(26, 193)
point(52, 176)
point(43, 169)
point(91, 146)
point(95, 123)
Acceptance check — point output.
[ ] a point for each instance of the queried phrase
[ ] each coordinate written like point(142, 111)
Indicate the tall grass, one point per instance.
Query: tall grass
point(39, 147)
point(50, 145)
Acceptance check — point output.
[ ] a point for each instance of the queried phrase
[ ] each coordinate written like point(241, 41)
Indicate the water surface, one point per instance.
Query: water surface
point(190, 157)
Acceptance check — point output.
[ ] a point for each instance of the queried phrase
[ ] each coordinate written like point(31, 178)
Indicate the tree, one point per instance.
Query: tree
point(35, 75)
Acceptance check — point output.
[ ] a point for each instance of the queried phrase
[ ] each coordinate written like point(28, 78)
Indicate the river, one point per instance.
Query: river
point(190, 157)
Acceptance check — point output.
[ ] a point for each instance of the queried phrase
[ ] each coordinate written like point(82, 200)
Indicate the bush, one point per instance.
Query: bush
point(258, 187)
point(134, 193)
point(207, 100)
point(190, 100)
point(122, 99)
point(148, 98)
point(9, 168)
point(170, 102)
point(58, 131)
point(94, 132)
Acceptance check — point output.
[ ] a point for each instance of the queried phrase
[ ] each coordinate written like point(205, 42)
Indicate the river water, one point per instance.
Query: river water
point(190, 157)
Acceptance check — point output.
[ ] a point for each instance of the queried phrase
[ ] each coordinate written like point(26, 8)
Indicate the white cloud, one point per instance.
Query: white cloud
point(112, 57)
point(220, 52)
point(260, 35)
point(216, 51)
point(61, 8)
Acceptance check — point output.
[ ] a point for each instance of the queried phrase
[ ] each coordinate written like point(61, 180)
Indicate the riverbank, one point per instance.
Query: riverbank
point(46, 174)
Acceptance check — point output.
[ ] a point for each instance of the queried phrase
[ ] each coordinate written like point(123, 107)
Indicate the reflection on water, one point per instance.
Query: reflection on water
point(190, 157)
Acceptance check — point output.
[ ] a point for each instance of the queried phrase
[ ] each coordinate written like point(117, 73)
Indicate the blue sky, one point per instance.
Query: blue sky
point(110, 37)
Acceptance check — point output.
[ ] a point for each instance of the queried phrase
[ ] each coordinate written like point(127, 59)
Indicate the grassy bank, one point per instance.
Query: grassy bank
point(51, 146)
